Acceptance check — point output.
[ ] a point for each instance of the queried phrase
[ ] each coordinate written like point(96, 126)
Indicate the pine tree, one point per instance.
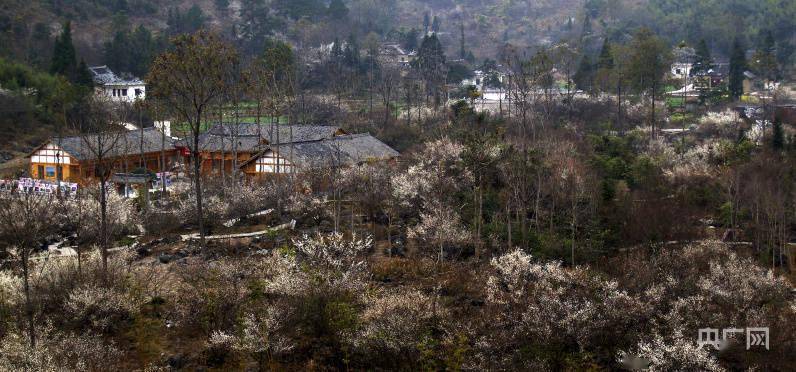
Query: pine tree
point(462, 50)
point(765, 59)
point(586, 30)
point(118, 52)
point(585, 74)
point(704, 61)
point(142, 52)
point(737, 68)
point(256, 25)
point(337, 10)
point(426, 22)
point(194, 19)
point(410, 40)
point(64, 61)
point(777, 135)
point(121, 6)
point(221, 5)
point(351, 52)
point(430, 63)
point(606, 59)
point(337, 51)
point(83, 75)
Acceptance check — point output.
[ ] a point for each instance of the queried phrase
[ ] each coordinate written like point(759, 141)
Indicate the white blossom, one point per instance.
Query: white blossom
point(678, 353)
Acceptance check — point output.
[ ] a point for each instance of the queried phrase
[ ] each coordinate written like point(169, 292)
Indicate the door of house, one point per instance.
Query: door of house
point(40, 172)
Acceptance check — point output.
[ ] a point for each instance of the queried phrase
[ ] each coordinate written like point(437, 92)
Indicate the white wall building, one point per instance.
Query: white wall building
point(116, 88)
point(680, 70)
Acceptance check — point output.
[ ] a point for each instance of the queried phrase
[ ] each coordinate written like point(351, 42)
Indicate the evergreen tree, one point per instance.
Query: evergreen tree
point(64, 61)
point(83, 75)
point(410, 39)
point(121, 6)
point(737, 68)
point(703, 61)
point(606, 58)
point(470, 57)
point(649, 60)
point(297, 9)
point(221, 5)
point(765, 60)
point(256, 25)
point(426, 22)
point(585, 74)
point(430, 63)
point(586, 30)
point(336, 53)
point(142, 51)
point(337, 10)
point(777, 135)
point(279, 61)
point(118, 52)
point(462, 50)
point(351, 52)
point(435, 24)
point(194, 19)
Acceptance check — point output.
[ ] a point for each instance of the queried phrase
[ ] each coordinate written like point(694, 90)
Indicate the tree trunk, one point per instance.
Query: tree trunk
point(508, 224)
point(389, 234)
point(195, 156)
point(28, 301)
point(574, 226)
point(104, 224)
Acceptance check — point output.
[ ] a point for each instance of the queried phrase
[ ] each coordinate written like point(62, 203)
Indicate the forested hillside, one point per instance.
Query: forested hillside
point(106, 30)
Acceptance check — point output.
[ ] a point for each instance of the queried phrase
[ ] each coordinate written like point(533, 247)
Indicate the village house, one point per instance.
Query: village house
point(338, 151)
point(289, 148)
point(117, 88)
point(74, 159)
point(683, 61)
point(225, 145)
point(394, 54)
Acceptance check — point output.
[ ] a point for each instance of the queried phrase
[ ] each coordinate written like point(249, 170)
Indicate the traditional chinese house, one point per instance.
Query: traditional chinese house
point(259, 150)
point(74, 159)
point(338, 151)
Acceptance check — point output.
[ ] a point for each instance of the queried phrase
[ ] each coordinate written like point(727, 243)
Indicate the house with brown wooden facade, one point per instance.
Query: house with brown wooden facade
point(261, 150)
point(75, 158)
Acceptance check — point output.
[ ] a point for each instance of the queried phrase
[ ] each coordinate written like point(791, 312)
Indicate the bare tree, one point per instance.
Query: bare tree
point(389, 78)
point(189, 78)
point(101, 141)
point(26, 219)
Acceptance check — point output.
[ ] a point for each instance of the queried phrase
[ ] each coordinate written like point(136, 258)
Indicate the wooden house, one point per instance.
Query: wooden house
point(225, 145)
point(74, 159)
point(338, 151)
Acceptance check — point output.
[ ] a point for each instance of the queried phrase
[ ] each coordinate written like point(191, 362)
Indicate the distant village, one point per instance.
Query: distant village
point(152, 157)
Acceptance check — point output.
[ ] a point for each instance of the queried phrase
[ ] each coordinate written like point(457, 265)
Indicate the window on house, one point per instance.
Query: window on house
point(49, 172)
point(124, 92)
point(138, 92)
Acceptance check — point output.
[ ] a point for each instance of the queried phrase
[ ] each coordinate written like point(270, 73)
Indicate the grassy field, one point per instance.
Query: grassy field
point(264, 120)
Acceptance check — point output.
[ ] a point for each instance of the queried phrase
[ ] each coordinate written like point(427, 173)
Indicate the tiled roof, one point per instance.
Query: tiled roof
point(338, 151)
point(103, 75)
point(113, 143)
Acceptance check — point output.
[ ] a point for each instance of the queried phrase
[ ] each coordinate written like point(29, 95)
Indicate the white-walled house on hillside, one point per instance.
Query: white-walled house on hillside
point(116, 88)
